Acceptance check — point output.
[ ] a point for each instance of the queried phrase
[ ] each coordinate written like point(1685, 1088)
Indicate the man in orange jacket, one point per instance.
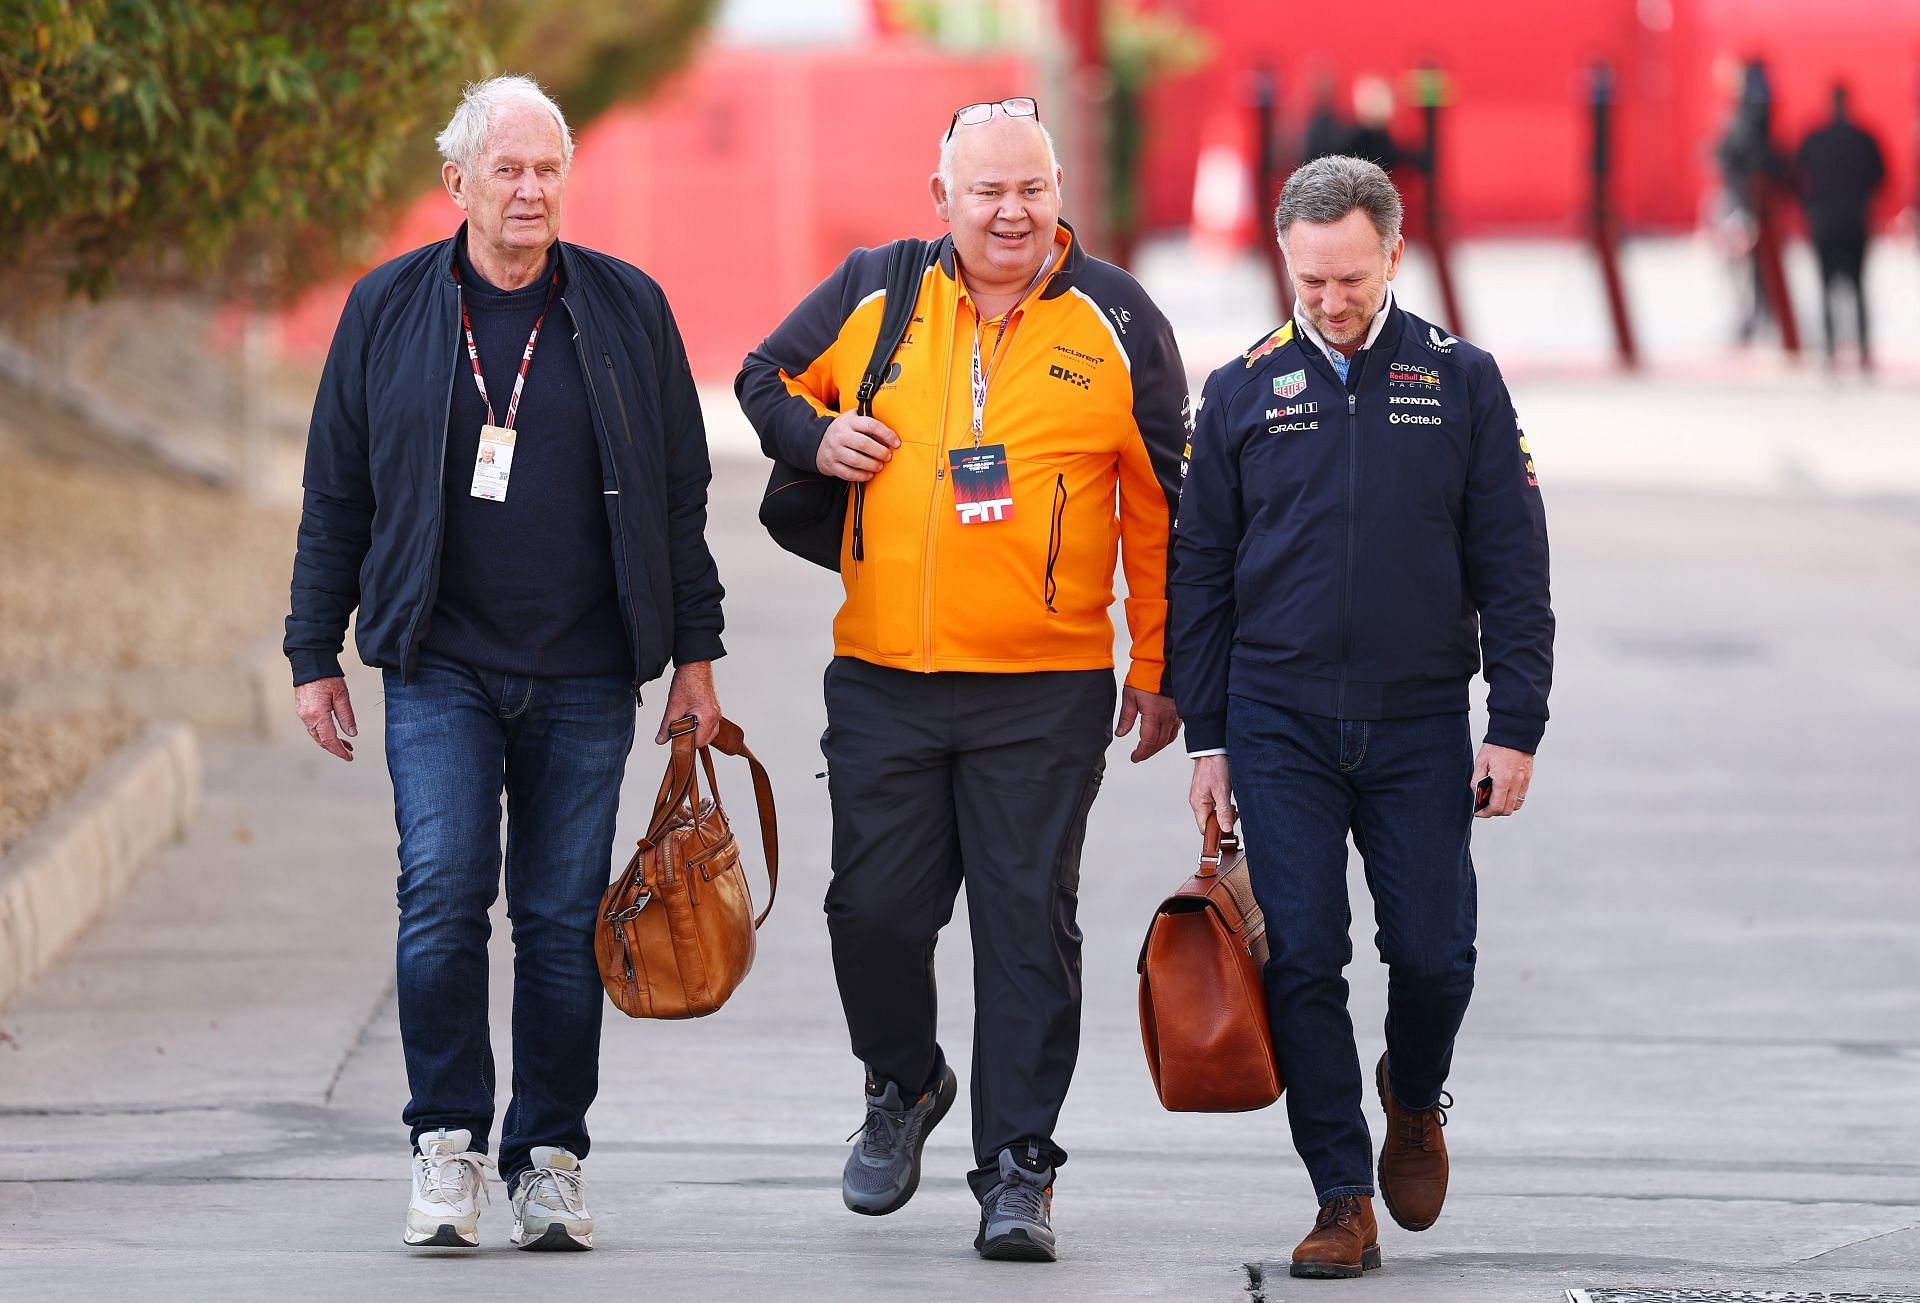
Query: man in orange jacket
point(1027, 435)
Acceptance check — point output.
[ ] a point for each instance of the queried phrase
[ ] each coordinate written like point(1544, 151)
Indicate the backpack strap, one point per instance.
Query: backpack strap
point(906, 264)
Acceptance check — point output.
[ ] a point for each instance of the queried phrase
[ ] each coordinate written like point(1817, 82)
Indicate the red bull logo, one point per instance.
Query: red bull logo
point(1271, 344)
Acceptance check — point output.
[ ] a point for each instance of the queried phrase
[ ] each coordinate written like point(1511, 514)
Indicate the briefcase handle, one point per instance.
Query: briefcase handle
point(1216, 847)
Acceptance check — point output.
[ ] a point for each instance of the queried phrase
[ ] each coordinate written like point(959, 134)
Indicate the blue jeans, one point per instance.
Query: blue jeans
point(456, 738)
point(1403, 788)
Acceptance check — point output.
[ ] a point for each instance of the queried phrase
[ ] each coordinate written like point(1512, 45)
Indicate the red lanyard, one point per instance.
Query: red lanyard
point(983, 375)
point(526, 357)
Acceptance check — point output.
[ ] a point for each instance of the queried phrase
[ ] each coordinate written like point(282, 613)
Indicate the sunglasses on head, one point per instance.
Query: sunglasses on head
point(971, 115)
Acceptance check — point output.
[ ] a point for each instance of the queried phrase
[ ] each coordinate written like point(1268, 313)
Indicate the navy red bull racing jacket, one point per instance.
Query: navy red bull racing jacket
point(1356, 550)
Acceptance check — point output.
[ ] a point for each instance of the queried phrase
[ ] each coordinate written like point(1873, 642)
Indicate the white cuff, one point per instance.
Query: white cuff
point(1216, 751)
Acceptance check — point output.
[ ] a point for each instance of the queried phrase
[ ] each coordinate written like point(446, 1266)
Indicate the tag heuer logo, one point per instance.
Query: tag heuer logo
point(1293, 382)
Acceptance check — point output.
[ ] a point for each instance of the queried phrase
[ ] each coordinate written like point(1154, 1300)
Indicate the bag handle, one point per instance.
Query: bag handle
point(906, 264)
point(1215, 847)
point(680, 790)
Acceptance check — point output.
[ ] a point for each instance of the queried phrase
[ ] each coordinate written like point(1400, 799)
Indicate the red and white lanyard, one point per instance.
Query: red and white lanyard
point(980, 376)
point(983, 376)
point(526, 357)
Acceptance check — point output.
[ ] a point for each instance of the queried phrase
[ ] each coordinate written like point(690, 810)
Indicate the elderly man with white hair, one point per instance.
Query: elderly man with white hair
point(506, 478)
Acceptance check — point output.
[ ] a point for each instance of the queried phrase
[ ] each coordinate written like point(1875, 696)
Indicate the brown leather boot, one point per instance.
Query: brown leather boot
point(1344, 1242)
point(1413, 1160)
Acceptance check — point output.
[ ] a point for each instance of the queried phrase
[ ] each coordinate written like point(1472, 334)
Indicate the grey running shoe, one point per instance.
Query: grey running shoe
point(1016, 1218)
point(550, 1203)
point(449, 1180)
point(883, 1170)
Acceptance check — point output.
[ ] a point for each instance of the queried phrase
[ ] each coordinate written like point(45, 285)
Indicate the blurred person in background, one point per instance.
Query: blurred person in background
point(516, 619)
point(1749, 168)
point(1371, 136)
point(1360, 530)
point(1327, 132)
point(970, 698)
point(1840, 167)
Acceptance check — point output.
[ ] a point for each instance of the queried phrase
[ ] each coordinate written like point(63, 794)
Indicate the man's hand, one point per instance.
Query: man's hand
point(1159, 721)
point(691, 693)
point(1211, 793)
point(855, 447)
point(319, 704)
point(1512, 773)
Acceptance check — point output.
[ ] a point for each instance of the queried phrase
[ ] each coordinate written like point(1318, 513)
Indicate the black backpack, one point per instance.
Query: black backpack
point(806, 511)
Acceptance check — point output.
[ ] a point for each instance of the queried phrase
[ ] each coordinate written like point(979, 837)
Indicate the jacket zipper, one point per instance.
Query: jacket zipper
point(613, 466)
point(933, 496)
point(619, 399)
point(1056, 535)
point(1346, 597)
point(439, 521)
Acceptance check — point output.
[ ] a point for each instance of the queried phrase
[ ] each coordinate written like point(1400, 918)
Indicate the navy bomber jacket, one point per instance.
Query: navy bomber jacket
point(370, 527)
point(1354, 550)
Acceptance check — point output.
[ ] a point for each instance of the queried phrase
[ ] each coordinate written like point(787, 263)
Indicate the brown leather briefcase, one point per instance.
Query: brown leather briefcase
point(675, 935)
point(1203, 1006)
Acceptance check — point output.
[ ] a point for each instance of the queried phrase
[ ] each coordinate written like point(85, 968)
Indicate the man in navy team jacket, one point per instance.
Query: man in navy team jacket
point(1360, 527)
point(507, 478)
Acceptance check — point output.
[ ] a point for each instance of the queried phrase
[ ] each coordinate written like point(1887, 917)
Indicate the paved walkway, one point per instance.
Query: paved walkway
point(1690, 1063)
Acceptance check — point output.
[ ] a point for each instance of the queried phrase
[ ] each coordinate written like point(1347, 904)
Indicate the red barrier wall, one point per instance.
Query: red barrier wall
point(1515, 139)
point(745, 181)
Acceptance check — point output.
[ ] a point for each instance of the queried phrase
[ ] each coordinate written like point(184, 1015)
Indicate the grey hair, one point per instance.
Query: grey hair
point(465, 135)
point(1327, 189)
point(947, 146)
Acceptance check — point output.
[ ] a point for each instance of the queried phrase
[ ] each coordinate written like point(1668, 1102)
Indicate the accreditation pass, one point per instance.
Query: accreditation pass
point(493, 463)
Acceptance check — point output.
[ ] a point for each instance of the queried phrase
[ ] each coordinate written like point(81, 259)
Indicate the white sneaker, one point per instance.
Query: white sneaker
point(447, 1186)
point(550, 1205)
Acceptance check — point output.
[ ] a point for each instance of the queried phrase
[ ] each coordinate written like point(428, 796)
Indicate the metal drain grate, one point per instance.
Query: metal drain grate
point(1726, 1296)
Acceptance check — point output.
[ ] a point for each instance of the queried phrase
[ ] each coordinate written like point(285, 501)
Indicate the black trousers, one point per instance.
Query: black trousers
point(983, 779)
point(1842, 261)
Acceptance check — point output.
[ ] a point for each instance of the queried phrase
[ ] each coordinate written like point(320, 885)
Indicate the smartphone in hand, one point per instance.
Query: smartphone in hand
point(1483, 794)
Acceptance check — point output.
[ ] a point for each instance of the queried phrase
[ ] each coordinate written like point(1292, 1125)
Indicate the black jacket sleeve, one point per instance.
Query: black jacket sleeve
point(697, 591)
point(336, 517)
point(1506, 563)
point(785, 386)
point(1206, 542)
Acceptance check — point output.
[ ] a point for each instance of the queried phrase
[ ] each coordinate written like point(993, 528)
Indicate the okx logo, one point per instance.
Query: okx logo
point(1059, 372)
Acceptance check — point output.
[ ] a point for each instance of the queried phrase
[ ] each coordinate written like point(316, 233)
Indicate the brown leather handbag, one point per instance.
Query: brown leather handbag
point(675, 935)
point(1203, 1006)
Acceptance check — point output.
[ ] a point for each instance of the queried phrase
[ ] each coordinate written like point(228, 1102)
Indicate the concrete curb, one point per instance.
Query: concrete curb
point(245, 695)
point(57, 880)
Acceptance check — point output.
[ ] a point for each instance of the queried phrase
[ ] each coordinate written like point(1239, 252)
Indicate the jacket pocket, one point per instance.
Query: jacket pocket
point(1055, 539)
point(886, 587)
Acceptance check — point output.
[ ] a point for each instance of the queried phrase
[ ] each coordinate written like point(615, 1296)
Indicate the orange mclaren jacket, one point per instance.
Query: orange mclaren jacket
point(1087, 395)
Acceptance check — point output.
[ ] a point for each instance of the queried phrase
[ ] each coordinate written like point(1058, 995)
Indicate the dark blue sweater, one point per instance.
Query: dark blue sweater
point(526, 585)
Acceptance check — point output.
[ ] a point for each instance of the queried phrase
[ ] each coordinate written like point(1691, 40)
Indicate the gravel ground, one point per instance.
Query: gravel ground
point(114, 565)
point(43, 757)
point(108, 564)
